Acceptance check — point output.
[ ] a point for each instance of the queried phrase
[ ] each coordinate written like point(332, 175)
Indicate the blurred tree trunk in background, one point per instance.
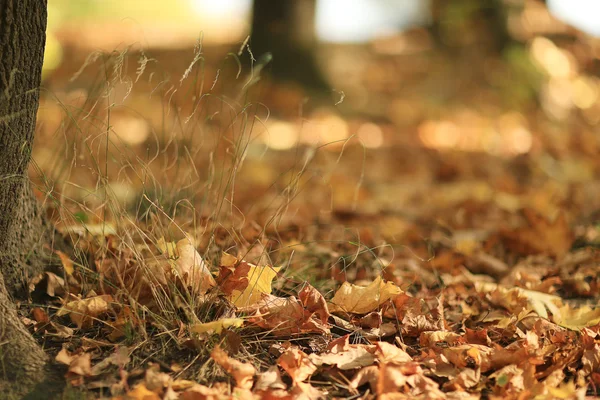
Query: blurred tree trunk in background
point(22, 226)
point(286, 29)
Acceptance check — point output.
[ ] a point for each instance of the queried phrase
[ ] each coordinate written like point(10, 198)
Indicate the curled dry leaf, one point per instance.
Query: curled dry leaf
point(79, 365)
point(191, 269)
point(314, 302)
point(388, 353)
point(354, 356)
point(286, 316)
point(297, 364)
point(406, 378)
point(67, 263)
point(243, 373)
point(363, 299)
point(84, 311)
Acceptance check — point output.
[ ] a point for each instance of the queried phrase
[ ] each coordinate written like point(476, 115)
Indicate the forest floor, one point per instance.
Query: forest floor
point(432, 246)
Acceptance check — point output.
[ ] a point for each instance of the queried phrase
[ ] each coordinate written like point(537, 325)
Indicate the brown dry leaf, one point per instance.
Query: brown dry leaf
point(407, 378)
point(67, 263)
point(84, 311)
point(201, 392)
point(517, 299)
point(125, 319)
point(233, 274)
point(366, 375)
point(431, 338)
point(285, 316)
point(354, 356)
point(314, 302)
point(388, 353)
point(191, 269)
point(64, 357)
point(120, 358)
point(541, 236)
point(40, 315)
point(363, 299)
point(297, 364)
point(468, 355)
point(508, 378)
point(79, 365)
point(243, 373)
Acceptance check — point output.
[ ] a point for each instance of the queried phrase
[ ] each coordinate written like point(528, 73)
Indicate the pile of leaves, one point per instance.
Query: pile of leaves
point(153, 320)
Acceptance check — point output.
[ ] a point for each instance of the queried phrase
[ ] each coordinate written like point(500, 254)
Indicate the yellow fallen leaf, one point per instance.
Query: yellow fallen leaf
point(167, 248)
point(259, 282)
point(67, 263)
point(363, 299)
point(539, 302)
point(217, 326)
point(577, 318)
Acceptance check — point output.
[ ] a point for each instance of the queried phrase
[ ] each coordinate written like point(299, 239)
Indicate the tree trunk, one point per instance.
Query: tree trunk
point(22, 227)
point(286, 29)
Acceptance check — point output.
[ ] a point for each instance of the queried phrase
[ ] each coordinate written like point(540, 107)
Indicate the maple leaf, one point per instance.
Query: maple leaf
point(363, 299)
point(354, 356)
point(577, 318)
point(233, 274)
point(285, 316)
point(259, 282)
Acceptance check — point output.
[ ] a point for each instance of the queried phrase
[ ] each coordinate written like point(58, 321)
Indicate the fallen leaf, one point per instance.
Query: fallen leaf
point(243, 373)
point(67, 263)
point(191, 269)
point(363, 299)
point(217, 326)
point(577, 318)
point(297, 364)
point(259, 282)
point(140, 392)
point(355, 356)
point(285, 316)
point(541, 236)
point(84, 311)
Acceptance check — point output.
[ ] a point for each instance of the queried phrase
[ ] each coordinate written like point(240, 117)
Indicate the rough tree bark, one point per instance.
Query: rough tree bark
point(287, 30)
point(22, 227)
